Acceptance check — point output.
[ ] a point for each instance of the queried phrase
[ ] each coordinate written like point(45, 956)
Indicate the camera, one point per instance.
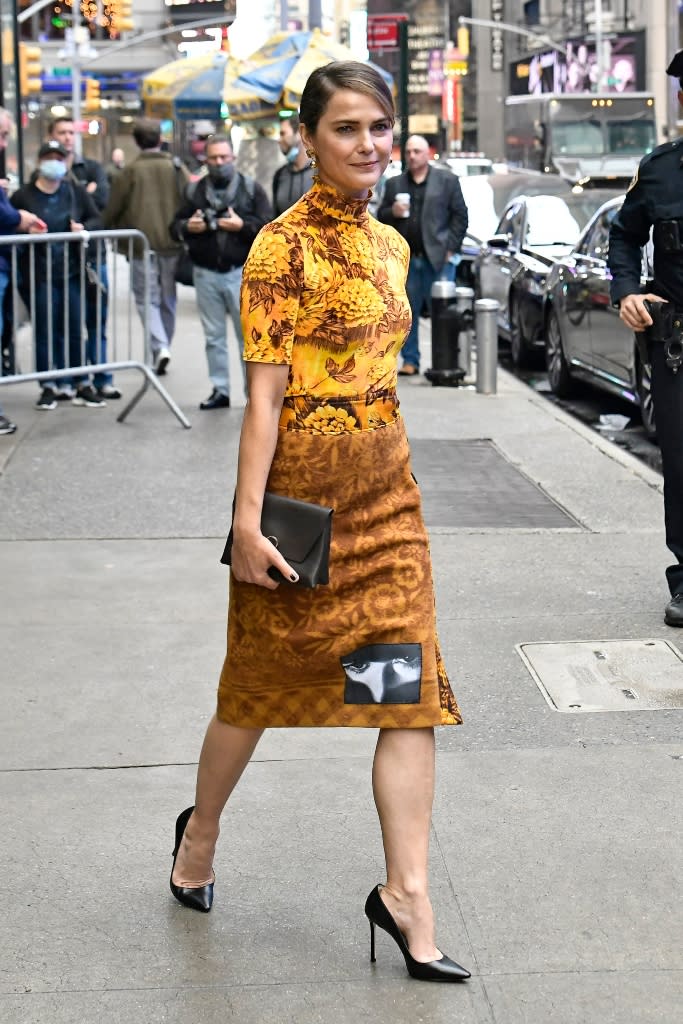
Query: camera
point(211, 220)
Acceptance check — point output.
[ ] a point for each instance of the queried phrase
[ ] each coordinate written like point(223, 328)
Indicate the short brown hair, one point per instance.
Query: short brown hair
point(147, 133)
point(54, 121)
point(324, 82)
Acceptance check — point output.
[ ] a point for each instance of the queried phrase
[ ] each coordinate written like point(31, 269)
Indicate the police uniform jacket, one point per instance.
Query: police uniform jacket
point(654, 201)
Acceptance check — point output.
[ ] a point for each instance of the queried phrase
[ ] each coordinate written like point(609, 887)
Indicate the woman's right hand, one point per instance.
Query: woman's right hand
point(253, 555)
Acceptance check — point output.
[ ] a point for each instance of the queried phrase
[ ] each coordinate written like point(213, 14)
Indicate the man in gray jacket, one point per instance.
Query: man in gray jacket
point(425, 204)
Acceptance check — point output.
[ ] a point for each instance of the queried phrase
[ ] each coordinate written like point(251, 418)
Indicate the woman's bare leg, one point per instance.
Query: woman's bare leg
point(403, 787)
point(225, 754)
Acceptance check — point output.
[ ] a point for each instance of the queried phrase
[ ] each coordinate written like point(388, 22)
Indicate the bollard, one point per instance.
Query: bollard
point(464, 303)
point(486, 332)
point(446, 327)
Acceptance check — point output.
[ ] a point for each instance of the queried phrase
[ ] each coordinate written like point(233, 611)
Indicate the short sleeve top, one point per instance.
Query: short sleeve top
point(323, 291)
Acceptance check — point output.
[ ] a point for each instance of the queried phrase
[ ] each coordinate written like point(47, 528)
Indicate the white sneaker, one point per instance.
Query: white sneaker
point(162, 361)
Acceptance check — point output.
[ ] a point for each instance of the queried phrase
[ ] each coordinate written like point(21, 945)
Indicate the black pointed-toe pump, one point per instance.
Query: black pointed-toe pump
point(444, 969)
point(199, 897)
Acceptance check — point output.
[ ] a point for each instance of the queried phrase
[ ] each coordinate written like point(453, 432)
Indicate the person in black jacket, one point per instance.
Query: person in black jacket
point(63, 206)
point(220, 218)
point(654, 203)
point(11, 221)
point(93, 177)
point(294, 178)
point(433, 220)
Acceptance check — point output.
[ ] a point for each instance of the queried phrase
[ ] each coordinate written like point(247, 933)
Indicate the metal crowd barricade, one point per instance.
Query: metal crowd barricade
point(128, 349)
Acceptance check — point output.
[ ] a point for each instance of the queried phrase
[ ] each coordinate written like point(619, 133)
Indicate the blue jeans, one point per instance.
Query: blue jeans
point(50, 307)
point(96, 347)
point(421, 277)
point(217, 294)
point(4, 282)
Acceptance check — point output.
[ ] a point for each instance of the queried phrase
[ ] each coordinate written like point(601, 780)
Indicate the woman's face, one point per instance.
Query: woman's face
point(352, 143)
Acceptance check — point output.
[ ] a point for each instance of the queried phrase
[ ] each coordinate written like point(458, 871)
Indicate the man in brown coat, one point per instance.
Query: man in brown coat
point(145, 195)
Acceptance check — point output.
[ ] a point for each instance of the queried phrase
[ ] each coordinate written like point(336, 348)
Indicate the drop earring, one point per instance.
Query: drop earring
point(311, 156)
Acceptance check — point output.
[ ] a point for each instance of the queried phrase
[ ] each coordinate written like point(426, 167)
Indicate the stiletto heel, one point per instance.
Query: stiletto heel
point(444, 969)
point(199, 897)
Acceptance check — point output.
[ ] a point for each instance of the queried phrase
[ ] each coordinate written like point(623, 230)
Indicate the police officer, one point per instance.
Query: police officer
point(655, 201)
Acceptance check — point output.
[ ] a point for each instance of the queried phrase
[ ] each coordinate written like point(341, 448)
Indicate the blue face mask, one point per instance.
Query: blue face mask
point(292, 154)
point(53, 170)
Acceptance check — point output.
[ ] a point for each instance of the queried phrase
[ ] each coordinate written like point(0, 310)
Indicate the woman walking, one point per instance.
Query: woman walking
point(325, 313)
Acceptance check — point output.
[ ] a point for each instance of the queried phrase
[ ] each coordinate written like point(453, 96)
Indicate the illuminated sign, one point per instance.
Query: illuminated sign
point(577, 71)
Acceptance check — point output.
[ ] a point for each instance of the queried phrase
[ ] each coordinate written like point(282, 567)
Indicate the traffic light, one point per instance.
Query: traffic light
point(92, 95)
point(464, 40)
point(121, 15)
point(29, 70)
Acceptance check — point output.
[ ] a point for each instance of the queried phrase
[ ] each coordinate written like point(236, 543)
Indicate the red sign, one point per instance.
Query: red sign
point(383, 31)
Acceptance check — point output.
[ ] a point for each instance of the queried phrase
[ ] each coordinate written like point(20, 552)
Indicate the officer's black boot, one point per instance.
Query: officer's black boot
point(673, 613)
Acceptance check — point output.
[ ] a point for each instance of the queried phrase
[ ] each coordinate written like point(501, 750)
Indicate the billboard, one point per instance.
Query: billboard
point(576, 71)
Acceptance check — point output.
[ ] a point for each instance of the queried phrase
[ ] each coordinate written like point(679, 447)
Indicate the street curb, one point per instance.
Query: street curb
point(613, 451)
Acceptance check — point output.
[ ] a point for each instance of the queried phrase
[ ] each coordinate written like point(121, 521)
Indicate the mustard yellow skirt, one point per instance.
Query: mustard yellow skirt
point(362, 651)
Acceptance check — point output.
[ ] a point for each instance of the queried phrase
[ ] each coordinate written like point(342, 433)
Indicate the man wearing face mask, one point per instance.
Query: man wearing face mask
point(219, 220)
point(295, 177)
point(62, 206)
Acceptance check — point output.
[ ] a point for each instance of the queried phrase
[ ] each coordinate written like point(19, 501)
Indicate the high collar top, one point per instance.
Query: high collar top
point(334, 203)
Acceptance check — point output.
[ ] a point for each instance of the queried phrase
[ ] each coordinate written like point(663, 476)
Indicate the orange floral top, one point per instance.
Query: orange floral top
point(323, 290)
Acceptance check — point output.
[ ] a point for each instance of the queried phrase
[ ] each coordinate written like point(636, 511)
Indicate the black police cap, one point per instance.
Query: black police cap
point(675, 68)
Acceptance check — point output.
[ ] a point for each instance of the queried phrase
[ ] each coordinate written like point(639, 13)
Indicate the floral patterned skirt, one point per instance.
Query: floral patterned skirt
point(363, 650)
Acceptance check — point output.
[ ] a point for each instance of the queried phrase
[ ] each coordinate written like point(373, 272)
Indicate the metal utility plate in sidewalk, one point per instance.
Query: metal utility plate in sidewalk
point(471, 485)
point(607, 675)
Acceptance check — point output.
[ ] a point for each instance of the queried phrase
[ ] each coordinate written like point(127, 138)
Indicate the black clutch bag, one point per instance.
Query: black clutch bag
point(301, 532)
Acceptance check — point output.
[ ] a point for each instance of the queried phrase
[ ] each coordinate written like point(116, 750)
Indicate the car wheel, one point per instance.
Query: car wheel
point(519, 348)
point(647, 412)
point(559, 377)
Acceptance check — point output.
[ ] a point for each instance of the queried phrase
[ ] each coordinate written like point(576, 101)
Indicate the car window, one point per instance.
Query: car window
point(578, 138)
point(517, 223)
point(596, 242)
point(550, 222)
point(506, 223)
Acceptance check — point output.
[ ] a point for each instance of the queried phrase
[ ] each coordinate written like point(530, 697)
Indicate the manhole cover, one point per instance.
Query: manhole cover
point(470, 484)
point(607, 675)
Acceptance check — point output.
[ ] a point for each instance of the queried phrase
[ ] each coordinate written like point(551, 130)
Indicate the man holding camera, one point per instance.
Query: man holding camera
point(220, 218)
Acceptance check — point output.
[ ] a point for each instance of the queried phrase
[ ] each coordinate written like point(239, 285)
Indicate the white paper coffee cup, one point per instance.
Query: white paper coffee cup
point(404, 197)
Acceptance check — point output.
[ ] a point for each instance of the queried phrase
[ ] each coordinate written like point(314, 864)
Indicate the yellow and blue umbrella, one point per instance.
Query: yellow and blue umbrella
point(270, 80)
point(189, 89)
point(273, 78)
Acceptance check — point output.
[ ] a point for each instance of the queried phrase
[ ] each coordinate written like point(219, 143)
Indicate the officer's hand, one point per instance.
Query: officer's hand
point(75, 226)
point(231, 221)
point(633, 312)
point(91, 187)
point(196, 224)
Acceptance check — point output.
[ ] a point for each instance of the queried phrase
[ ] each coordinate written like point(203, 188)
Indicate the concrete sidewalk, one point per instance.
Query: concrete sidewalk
point(556, 842)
